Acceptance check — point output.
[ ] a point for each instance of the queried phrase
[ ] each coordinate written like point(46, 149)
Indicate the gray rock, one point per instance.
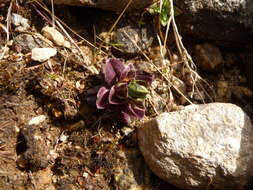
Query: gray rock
point(226, 22)
point(113, 5)
point(131, 40)
point(25, 43)
point(199, 146)
point(208, 57)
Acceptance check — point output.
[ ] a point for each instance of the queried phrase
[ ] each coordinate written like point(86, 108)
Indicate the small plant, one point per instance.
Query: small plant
point(163, 10)
point(124, 91)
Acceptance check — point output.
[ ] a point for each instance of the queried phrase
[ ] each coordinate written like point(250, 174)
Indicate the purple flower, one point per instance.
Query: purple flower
point(124, 92)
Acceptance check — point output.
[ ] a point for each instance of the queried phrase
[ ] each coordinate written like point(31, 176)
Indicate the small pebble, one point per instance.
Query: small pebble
point(54, 35)
point(63, 138)
point(20, 22)
point(37, 120)
point(43, 54)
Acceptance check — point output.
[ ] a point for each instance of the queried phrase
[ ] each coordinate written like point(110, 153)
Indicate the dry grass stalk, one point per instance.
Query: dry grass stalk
point(53, 19)
point(60, 24)
point(6, 29)
point(43, 6)
point(121, 14)
point(158, 69)
point(187, 59)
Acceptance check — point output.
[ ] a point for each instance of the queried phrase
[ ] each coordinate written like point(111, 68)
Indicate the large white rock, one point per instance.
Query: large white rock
point(200, 146)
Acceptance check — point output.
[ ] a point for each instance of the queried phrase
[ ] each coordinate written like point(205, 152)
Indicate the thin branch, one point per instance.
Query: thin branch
point(159, 70)
point(65, 25)
point(53, 19)
point(121, 14)
point(7, 28)
point(187, 59)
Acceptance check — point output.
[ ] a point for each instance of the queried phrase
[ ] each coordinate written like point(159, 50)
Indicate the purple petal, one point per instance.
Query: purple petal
point(129, 72)
point(118, 94)
point(117, 65)
point(109, 73)
point(112, 99)
point(124, 73)
point(125, 117)
point(113, 70)
point(139, 112)
point(102, 98)
point(144, 76)
point(135, 109)
point(121, 90)
point(132, 71)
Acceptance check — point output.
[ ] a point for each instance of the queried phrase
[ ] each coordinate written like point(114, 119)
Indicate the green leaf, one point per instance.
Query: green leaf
point(165, 12)
point(136, 90)
point(51, 76)
point(154, 9)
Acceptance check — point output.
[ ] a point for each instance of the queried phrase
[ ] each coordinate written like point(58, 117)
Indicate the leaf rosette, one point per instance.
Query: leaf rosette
point(124, 91)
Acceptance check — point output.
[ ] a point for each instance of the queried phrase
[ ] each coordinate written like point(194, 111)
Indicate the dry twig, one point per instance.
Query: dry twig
point(7, 28)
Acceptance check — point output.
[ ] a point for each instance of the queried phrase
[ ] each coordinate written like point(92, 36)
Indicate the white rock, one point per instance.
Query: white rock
point(85, 174)
point(43, 54)
point(37, 120)
point(20, 22)
point(63, 138)
point(54, 35)
point(200, 145)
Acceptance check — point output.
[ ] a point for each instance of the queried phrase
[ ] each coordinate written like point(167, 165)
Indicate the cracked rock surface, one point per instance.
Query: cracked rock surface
point(226, 22)
point(200, 145)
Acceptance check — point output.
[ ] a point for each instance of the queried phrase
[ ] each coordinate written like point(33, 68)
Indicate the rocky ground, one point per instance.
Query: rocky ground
point(50, 138)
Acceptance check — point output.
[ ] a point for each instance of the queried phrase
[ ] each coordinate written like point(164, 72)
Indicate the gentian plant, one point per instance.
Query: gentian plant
point(124, 91)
